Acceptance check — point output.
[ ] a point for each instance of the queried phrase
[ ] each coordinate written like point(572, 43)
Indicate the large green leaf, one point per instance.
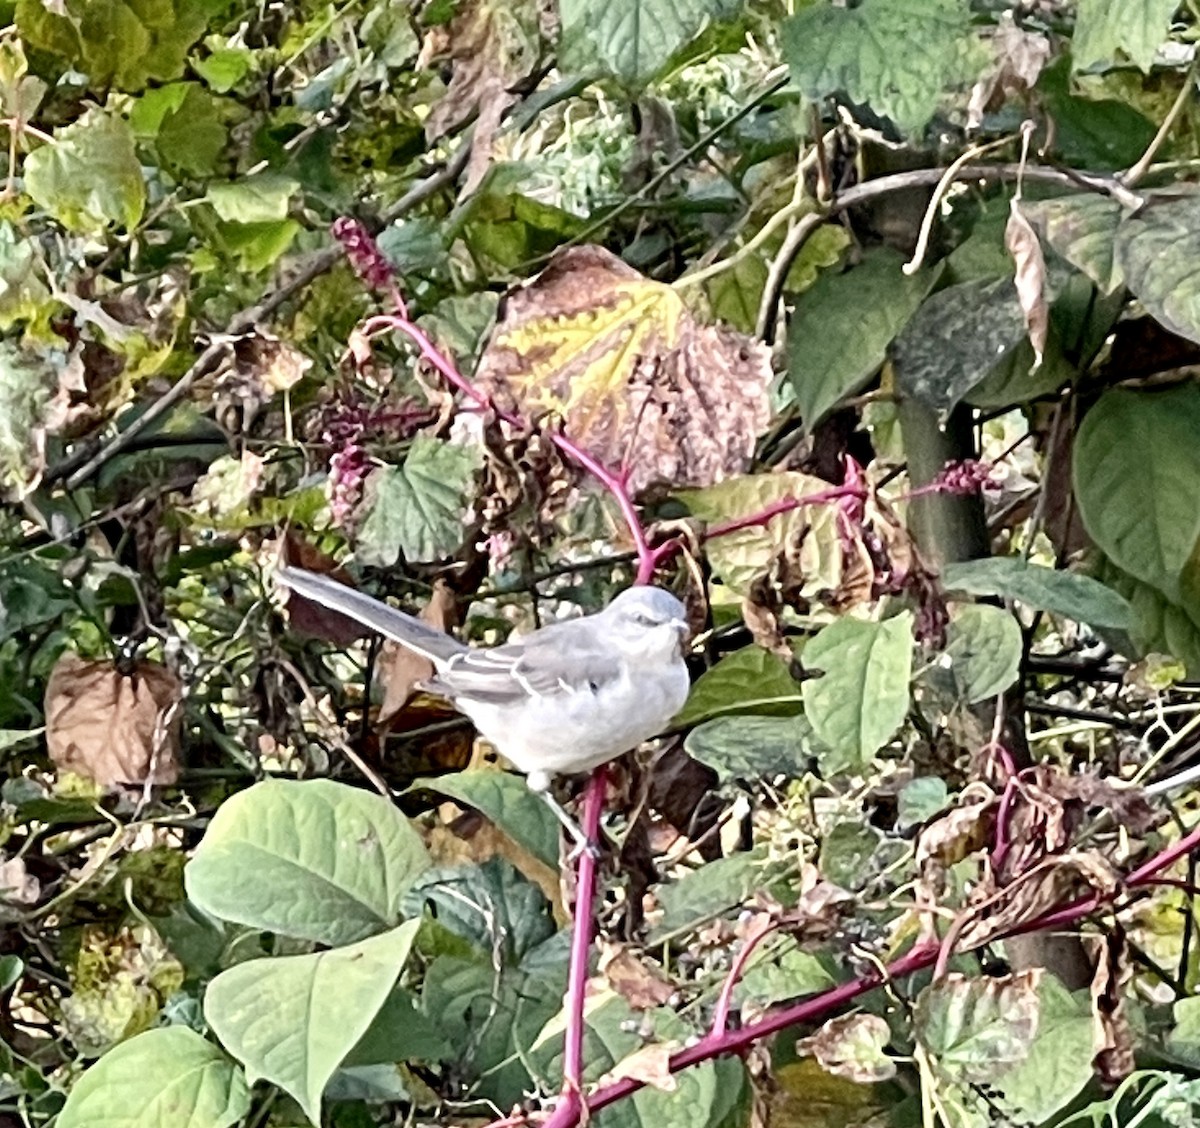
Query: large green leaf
point(313, 859)
point(862, 695)
point(978, 1027)
point(1137, 478)
point(750, 680)
point(89, 177)
point(1105, 30)
point(492, 905)
point(418, 508)
point(752, 748)
point(120, 43)
point(897, 56)
point(507, 801)
point(163, 1078)
point(1156, 248)
point(1059, 1064)
point(632, 39)
point(1047, 589)
point(957, 338)
point(293, 1019)
point(697, 897)
point(1158, 624)
point(1082, 228)
point(842, 326)
point(984, 647)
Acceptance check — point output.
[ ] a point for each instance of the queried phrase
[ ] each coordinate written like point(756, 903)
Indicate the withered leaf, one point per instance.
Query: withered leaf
point(852, 1046)
point(635, 380)
point(1026, 249)
point(117, 729)
point(650, 1065)
point(307, 615)
point(401, 670)
point(1019, 58)
point(1114, 970)
point(638, 982)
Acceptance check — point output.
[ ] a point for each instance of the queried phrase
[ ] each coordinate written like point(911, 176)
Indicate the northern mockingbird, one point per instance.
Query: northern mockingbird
point(566, 698)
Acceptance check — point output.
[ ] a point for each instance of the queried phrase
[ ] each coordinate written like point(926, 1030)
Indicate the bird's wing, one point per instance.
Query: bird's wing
point(563, 659)
point(439, 647)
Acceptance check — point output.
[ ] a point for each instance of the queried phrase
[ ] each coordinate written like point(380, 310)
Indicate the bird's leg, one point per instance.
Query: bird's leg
point(539, 782)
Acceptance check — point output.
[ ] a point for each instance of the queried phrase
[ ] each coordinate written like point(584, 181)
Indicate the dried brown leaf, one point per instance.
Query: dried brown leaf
point(634, 378)
point(313, 618)
point(648, 1065)
point(639, 983)
point(1115, 1058)
point(1026, 249)
point(17, 885)
point(1019, 58)
point(112, 727)
point(852, 1046)
point(401, 670)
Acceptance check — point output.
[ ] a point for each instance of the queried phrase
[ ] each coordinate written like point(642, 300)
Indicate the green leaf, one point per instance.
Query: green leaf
point(750, 680)
point(1059, 1064)
point(225, 67)
point(1105, 30)
point(293, 1019)
point(313, 859)
point(752, 748)
point(492, 905)
point(897, 56)
point(1046, 589)
point(842, 327)
point(160, 1079)
point(262, 198)
point(418, 508)
point(1082, 228)
point(978, 1027)
point(1137, 477)
point(1159, 625)
point(23, 294)
point(956, 339)
point(124, 44)
point(399, 1032)
point(89, 177)
point(27, 383)
point(1156, 249)
point(777, 979)
point(632, 39)
point(919, 800)
point(507, 801)
point(697, 897)
point(984, 646)
point(847, 852)
point(862, 697)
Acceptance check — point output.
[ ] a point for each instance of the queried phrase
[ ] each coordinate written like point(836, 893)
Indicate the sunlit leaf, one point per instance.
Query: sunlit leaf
point(164, 1077)
point(293, 1019)
point(636, 381)
point(750, 680)
point(1112, 31)
point(311, 858)
point(861, 697)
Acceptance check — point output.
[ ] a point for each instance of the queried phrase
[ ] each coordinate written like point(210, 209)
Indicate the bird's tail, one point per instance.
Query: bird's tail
point(427, 641)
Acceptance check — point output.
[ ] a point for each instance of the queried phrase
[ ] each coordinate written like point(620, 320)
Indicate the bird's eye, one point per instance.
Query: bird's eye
point(644, 620)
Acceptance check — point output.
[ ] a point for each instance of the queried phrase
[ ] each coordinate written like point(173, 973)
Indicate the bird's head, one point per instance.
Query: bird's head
point(648, 621)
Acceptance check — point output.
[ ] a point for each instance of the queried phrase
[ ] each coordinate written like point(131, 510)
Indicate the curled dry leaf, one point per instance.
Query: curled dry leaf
point(491, 46)
point(402, 670)
point(17, 885)
point(1023, 244)
point(639, 983)
point(852, 1046)
point(115, 728)
point(650, 1065)
point(635, 380)
point(1019, 58)
point(1114, 1059)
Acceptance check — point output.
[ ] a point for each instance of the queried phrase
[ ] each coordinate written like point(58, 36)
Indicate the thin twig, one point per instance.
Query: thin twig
point(1136, 171)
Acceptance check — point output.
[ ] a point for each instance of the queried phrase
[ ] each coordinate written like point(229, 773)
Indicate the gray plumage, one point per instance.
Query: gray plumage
point(567, 697)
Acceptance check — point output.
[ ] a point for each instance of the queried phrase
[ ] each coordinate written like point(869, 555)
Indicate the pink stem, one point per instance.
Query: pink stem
point(648, 558)
point(725, 999)
point(808, 1010)
point(784, 505)
point(570, 1104)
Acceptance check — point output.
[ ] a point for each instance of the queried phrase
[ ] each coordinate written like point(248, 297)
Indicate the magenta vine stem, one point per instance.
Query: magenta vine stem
point(815, 1007)
point(725, 999)
point(570, 1103)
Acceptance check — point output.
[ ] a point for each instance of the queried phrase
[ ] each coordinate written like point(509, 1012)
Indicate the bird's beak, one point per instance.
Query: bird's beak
point(681, 628)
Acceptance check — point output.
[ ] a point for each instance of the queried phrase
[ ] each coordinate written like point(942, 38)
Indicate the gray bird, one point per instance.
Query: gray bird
point(566, 698)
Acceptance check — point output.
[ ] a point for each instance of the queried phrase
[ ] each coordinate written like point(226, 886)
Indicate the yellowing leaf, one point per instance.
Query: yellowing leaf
point(633, 378)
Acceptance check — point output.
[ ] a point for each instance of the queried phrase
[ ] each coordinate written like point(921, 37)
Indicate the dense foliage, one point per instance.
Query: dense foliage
point(870, 329)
